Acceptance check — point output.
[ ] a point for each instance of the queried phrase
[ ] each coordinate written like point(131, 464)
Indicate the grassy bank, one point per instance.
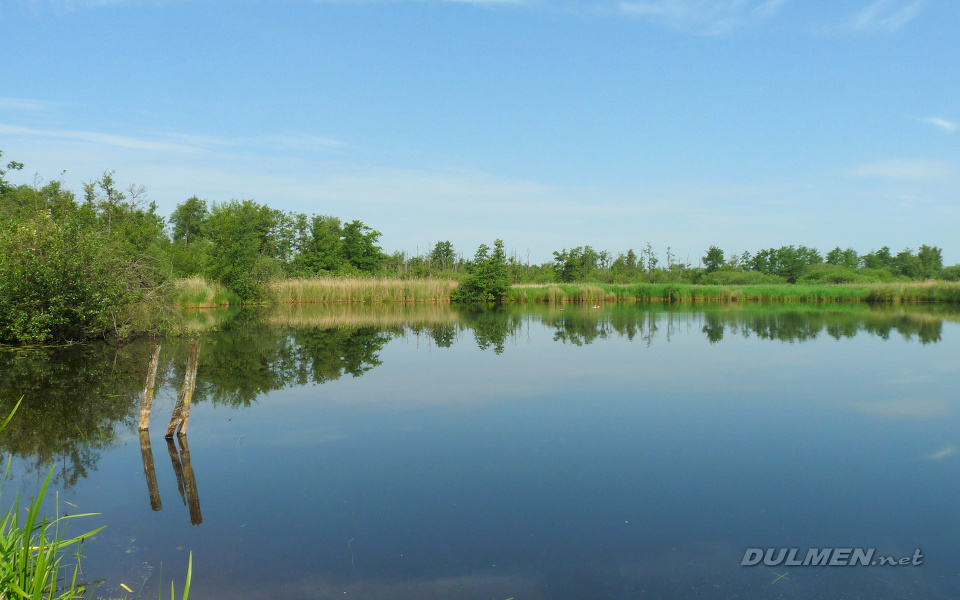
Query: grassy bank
point(316, 291)
point(880, 293)
point(198, 293)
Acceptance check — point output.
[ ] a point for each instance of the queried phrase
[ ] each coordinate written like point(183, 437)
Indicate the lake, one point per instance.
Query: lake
point(621, 451)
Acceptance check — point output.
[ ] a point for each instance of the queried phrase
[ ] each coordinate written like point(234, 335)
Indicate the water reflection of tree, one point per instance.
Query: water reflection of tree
point(238, 365)
point(75, 401)
point(780, 323)
point(491, 328)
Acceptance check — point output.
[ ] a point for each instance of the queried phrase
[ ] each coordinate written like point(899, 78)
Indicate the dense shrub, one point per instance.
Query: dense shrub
point(950, 273)
point(487, 277)
point(730, 277)
point(70, 271)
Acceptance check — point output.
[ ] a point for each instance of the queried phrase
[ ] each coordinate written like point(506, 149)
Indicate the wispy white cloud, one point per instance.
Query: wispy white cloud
point(943, 124)
point(105, 139)
point(74, 5)
point(487, 1)
point(307, 143)
point(904, 407)
point(171, 142)
point(906, 169)
point(707, 17)
point(23, 104)
point(945, 452)
point(886, 15)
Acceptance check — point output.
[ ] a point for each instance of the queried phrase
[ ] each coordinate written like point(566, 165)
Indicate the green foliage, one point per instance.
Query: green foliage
point(951, 273)
point(70, 271)
point(835, 274)
point(848, 259)
point(322, 252)
point(443, 255)
point(11, 166)
point(931, 261)
point(713, 260)
point(736, 277)
point(360, 249)
point(32, 550)
point(239, 254)
point(579, 264)
point(487, 277)
point(188, 220)
point(788, 262)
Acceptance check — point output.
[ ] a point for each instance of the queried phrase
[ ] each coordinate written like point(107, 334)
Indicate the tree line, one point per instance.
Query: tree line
point(103, 263)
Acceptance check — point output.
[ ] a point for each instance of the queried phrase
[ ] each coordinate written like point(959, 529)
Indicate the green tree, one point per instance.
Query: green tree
point(579, 264)
point(322, 251)
point(188, 220)
point(713, 260)
point(487, 277)
point(908, 264)
point(360, 247)
point(879, 259)
point(70, 271)
point(11, 166)
point(442, 255)
point(239, 234)
point(931, 260)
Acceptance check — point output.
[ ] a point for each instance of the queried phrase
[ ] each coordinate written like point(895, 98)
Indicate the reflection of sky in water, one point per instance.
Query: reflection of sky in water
point(614, 469)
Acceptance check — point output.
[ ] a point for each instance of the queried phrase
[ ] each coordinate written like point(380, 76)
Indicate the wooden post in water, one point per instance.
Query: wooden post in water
point(147, 452)
point(177, 467)
point(181, 411)
point(189, 482)
point(146, 400)
point(192, 366)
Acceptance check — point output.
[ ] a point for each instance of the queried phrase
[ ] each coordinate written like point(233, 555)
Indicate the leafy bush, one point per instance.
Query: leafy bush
point(70, 271)
point(725, 277)
point(828, 273)
point(950, 273)
point(487, 277)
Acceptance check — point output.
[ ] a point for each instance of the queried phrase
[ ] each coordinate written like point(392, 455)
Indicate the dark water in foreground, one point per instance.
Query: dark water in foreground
point(616, 452)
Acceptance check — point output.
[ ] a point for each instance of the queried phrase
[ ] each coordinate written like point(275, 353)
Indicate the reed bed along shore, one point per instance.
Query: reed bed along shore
point(880, 293)
point(317, 291)
point(344, 316)
point(199, 293)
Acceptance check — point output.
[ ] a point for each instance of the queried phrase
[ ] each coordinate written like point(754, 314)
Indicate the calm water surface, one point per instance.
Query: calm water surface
point(417, 452)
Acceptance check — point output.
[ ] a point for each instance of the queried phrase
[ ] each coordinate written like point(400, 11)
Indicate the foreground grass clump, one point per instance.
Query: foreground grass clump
point(32, 550)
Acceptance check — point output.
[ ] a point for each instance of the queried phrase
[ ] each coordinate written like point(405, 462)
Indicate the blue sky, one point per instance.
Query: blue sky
point(548, 123)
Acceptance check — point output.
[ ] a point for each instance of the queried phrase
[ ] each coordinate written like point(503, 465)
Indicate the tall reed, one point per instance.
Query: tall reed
point(330, 290)
point(878, 293)
point(197, 292)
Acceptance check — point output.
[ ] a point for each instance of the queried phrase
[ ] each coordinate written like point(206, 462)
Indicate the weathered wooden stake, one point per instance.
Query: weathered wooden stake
point(192, 367)
point(189, 482)
point(177, 467)
point(148, 469)
point(146, 400)
point(181, 411)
